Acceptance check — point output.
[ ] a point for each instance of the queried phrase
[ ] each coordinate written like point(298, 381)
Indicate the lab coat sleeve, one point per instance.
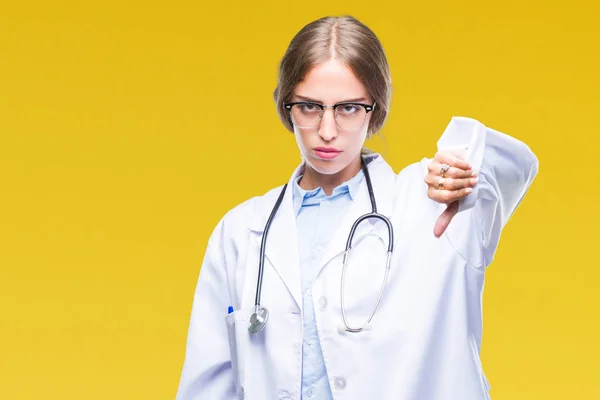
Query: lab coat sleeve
point(506, 168)
point(207, 372)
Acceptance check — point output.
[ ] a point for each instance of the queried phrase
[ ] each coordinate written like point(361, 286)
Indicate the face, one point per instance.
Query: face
point(327, 148)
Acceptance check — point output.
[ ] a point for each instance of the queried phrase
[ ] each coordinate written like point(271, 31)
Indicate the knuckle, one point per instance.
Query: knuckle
point(456, 172)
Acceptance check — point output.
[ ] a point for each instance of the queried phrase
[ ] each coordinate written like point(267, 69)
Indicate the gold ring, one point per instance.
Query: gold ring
point(445, 167)
point(441, 183)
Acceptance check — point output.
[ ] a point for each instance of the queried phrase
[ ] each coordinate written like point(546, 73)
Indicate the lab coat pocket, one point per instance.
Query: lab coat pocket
point(237, 333)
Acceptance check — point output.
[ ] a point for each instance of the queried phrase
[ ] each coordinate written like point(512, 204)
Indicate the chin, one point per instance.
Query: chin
point(326, 167)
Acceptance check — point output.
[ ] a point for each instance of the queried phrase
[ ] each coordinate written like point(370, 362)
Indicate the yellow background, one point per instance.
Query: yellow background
point(127, 129)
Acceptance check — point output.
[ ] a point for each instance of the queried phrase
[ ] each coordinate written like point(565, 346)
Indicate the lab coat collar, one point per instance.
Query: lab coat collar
point(281, 249)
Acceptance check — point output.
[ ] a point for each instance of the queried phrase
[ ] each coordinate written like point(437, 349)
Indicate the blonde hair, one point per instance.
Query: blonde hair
point(348, 40)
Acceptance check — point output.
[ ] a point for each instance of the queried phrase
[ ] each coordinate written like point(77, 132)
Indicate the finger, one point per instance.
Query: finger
point(450, 183)
point(448, 196)
point(444, 157)
point(435, 168)
point(443, 221)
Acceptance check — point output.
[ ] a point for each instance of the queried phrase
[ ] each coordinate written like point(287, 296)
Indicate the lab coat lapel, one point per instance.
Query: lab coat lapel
point(281, 248)
point(382, 179)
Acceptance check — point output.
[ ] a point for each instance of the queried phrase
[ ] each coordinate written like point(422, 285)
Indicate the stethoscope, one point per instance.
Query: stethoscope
point(260, 316)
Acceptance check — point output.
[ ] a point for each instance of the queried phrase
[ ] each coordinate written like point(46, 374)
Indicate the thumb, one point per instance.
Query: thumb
point(444, 219)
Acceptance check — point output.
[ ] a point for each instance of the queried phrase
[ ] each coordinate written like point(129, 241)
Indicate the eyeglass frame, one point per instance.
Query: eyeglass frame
point(368, 108)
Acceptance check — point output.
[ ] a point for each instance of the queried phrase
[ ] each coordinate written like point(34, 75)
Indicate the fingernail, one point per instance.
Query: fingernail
point(474, 181)
point(468, 190)
point(474, 173)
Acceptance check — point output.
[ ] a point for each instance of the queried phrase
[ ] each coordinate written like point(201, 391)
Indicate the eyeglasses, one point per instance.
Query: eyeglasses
point(348, 116)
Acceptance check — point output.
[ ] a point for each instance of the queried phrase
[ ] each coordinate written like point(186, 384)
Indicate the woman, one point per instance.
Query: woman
point(446, 215)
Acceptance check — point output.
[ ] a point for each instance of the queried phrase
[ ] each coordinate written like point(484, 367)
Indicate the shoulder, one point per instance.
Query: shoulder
point(413, 174)
point(409, 183)
point(408, 176)
point(402, 193)
point(245, 215)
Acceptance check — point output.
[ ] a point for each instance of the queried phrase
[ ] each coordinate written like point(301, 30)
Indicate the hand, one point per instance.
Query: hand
point(456, 183)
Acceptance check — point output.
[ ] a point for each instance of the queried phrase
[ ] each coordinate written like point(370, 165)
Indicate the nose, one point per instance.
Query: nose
point(328, 127)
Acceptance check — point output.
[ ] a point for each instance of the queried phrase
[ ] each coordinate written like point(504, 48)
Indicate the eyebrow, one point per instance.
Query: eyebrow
point(355, 100)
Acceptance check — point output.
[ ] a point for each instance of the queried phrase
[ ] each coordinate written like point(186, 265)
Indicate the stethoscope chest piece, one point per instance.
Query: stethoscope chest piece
point(258, 320)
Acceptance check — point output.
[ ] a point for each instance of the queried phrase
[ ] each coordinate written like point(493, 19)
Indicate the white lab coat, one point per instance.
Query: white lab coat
point(425, 338)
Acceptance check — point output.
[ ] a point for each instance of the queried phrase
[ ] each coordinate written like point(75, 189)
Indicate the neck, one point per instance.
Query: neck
point(312, 179)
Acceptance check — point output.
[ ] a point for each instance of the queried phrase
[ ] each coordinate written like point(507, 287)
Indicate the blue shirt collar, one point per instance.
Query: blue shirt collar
point(302, 197)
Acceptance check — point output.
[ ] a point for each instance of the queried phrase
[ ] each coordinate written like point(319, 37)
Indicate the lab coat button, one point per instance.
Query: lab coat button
point(340, 383)
point(322, 303)
point(284, 395)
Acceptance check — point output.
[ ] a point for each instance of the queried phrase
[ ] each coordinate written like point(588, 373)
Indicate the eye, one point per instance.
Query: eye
point(348, 108)
point(309, 107)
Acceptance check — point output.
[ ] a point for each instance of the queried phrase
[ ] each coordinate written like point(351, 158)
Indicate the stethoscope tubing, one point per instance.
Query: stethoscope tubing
point(260, 316)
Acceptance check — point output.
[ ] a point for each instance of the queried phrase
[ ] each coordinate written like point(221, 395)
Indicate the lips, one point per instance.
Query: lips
point(327, 153)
